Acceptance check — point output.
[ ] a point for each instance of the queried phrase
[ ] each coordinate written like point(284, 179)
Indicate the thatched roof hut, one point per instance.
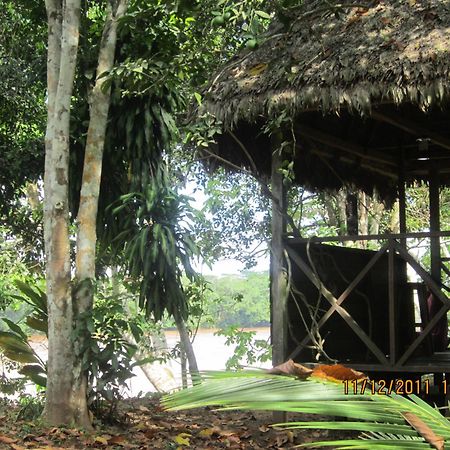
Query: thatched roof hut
point(367, 88)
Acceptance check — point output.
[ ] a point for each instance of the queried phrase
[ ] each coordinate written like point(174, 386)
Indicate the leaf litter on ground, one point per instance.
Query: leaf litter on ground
point(145, 425)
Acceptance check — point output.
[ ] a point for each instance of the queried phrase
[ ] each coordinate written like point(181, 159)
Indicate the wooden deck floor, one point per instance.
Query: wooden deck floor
point(435, 363)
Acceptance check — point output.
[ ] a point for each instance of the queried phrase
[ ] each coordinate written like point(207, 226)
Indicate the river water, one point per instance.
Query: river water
point(210, 350)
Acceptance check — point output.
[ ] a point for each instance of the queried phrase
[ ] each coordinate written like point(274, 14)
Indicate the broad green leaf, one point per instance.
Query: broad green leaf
point(262, 14)
point(198, 97)
point(380, 417)
point(15, 328)
point(37, 324)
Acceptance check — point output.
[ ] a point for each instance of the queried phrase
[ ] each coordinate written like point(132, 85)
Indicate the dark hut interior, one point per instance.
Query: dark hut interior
point(364, 93)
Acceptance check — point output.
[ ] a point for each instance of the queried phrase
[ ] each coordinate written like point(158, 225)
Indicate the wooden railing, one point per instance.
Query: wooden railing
point(394, 244)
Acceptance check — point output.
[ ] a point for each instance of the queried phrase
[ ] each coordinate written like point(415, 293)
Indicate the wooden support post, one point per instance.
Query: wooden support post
point(402, 201)
point(392, 304)
point(278, 277)
point(278, 288)
point(435, 225)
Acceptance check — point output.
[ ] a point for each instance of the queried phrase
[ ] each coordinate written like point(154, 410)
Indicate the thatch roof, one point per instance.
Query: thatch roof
point(333, 72)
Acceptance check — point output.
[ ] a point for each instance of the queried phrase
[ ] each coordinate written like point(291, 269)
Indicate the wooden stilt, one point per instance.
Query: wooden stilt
point(278, 277)
point(402, 202)
point(278, 274)
point(435, 225)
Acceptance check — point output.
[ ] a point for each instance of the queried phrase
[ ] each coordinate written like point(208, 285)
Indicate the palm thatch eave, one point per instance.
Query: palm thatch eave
point(344, 74)
point(396, 51)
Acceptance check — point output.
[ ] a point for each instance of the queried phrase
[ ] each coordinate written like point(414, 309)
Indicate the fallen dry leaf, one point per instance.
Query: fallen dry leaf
point(7, 439)
point(289, 367)
point(17, 447)
point(115, 440)
point(424, 430)
point(206, 433)
point(337, 372)
point(224, 433)
point(102, 439)
point(48, 447)
point(183, 439)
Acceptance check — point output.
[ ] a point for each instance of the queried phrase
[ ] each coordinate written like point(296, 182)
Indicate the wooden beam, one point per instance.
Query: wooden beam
point(278, 288)
point(335, 142)
point(412, 128)
point(402, 201)
point(426, 331)
point(351, 160)
point(339, 309)
point(392, 304)
point(368, 237)
point(341, 298)
point(429, 281)
point(435, 224)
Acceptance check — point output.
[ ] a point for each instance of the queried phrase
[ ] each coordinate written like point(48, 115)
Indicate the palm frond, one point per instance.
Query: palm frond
point(385, 420)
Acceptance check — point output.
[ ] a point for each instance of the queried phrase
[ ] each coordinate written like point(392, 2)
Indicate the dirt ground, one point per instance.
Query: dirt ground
point(143, 424)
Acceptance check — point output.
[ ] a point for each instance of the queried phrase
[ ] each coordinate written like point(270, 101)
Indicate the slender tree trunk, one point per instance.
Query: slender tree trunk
point(363, 217)
point(352, 213)
point(159, 374)
point(184, 378)
point(63, 26)
point(87, 214)
point(376, 209)
point(341, 207)
point(187, 348)
point(395, 222)
point(333, 221)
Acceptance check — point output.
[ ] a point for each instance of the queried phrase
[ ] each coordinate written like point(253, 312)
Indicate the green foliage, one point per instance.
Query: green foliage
point(11, 267)
point(37, 299)
point(10, 384)
point(159, 245)
point(380, 417)
point(107, 357)
point(31, 407)
point(22, 91)
point(248, 350)
point(235, 217)
point(234, 300)
point(14, 343)
point(110, 362)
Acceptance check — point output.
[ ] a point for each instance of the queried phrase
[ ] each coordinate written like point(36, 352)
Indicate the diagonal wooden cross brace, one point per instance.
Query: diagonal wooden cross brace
point(335, 303)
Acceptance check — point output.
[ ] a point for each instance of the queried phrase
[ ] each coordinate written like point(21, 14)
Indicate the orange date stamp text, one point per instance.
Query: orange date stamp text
point(386, 387)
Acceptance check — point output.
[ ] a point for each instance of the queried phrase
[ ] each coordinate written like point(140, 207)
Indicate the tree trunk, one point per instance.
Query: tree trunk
point(376, 209)
point(66, 401)
point(63, 26)
point(87, 214)
point(184, 378)
point(159, 374)
point(352, 213)
point(187, 348)
point(363, 217)
point(395, 223)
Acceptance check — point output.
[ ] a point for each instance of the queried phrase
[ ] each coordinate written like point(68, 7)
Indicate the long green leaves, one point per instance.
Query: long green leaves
point(159, 245)
point(387, 421)
point(14, 343)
